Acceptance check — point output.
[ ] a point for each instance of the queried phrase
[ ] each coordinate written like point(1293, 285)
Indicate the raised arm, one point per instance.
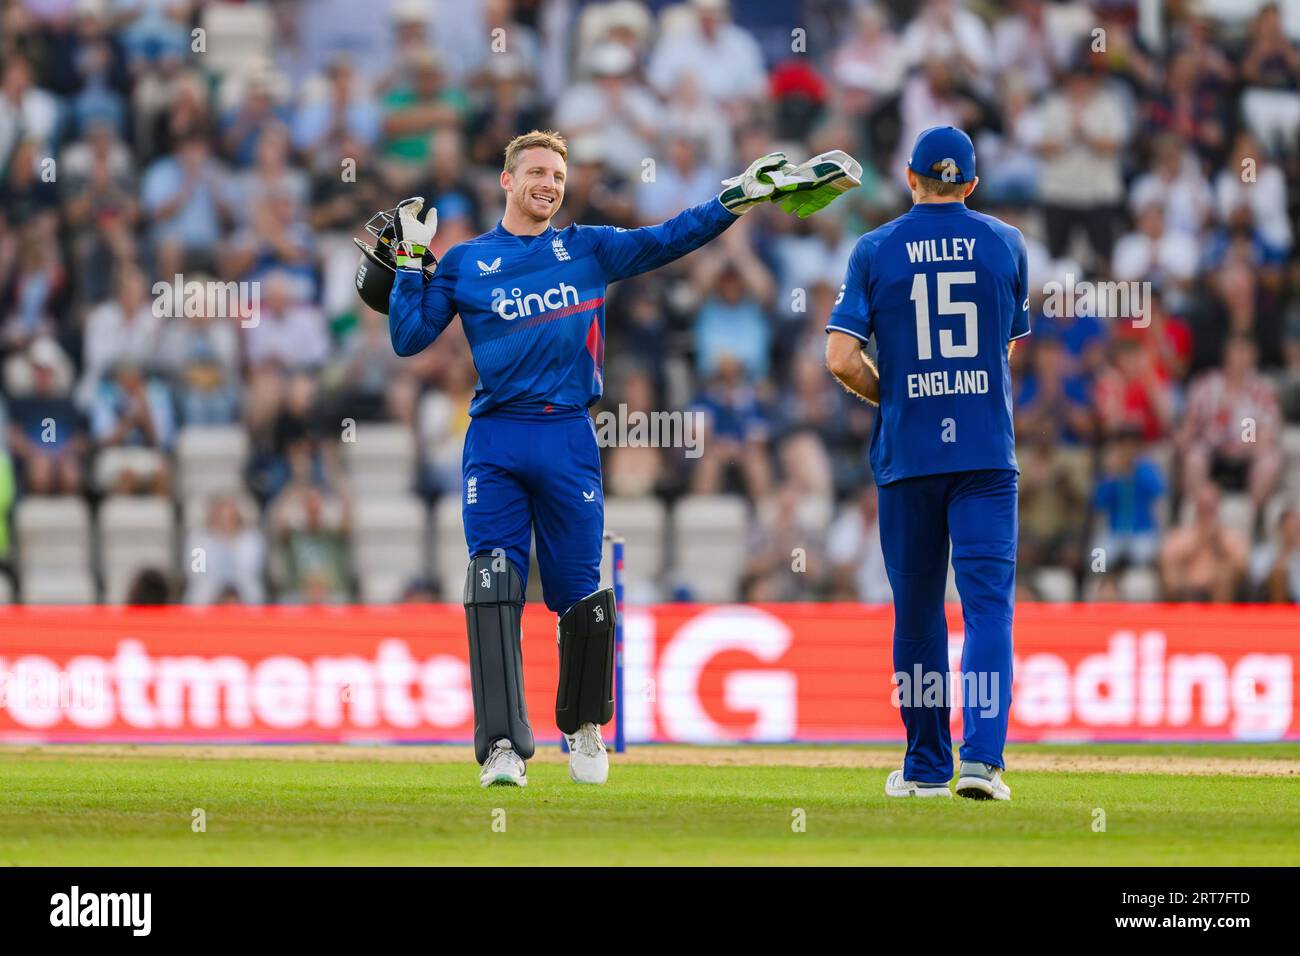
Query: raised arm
point(628, 252)
point(419, 311)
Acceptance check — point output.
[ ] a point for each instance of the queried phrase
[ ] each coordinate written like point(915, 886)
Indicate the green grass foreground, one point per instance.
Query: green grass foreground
point(138, 810)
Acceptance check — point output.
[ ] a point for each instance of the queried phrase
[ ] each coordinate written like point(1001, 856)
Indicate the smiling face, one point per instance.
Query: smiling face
point(535, 187)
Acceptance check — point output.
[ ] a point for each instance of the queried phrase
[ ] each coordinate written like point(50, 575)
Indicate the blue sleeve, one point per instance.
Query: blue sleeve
point(1020, 321)
point(1103, 494)
point(1150, 479)
point(417, 313)
point(850, 313)
point(629, 252)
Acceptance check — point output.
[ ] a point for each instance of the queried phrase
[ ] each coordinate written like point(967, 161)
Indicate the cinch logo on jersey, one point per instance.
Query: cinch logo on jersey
point(516, 305)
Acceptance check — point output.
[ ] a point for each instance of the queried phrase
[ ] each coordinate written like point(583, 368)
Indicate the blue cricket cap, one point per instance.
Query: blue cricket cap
point(941, 147)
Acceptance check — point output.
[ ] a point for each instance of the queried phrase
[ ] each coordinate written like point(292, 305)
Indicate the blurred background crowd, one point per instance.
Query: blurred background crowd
point(153, 456)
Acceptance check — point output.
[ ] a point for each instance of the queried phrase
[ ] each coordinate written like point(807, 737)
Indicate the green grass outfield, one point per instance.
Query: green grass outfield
point(134, 806)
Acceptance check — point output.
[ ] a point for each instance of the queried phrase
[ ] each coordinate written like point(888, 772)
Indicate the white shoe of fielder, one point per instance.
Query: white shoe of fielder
point(503, 766)
point(896, 786)
point(981, 781)
point(588, 759)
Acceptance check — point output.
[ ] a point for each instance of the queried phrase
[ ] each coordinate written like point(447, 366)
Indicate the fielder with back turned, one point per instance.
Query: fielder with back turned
point(531, 300)
point(944, 292)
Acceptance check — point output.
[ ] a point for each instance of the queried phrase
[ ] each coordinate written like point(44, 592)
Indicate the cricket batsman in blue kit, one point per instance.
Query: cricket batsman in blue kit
point(944, 292)
point(531, 300)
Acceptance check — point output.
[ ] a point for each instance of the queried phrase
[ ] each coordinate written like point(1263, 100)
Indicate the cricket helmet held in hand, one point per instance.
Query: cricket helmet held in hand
point(378, 266)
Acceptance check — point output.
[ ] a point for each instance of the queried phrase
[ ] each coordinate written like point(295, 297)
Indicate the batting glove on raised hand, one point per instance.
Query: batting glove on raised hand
point(754, 186)
point(814, 185)
point(415, 227)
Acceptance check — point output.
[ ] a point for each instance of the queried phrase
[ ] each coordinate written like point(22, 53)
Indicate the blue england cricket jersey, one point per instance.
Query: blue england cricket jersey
point(533, 307)
point(943, 289)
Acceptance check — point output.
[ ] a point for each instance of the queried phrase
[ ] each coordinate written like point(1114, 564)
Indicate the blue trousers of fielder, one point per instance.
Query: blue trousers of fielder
point(976, 511)
point(539, 475)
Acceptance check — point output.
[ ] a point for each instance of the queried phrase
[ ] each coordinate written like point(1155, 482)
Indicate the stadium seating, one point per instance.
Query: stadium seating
point(210, 459)
point(389, 545)
point(642, 523)
point(54, 543)
point(381, 458)
point(134, 534)
point(709, 545)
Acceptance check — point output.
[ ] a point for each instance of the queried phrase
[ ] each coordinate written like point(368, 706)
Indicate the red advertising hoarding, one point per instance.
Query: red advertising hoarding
point(811, 672)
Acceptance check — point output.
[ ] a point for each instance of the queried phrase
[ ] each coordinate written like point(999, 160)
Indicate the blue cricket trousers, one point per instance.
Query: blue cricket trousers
point(976, 511)
point(539, 474)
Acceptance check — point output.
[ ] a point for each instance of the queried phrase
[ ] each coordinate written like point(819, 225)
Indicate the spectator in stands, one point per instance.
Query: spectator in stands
point(47, 434)
point(1129, 393)
point(226, 554)
point(1053, 504)
point(309, 533)
point(260, 106)
point(289, 333)
point(124, 329)
point(736, 289)
point(1203, 561)
point(1177, 185)
point(636, 469)
point(200, 357)
point(1085, 128)
point(335, 111)
point(683, 179)
point(724, 59)
point(26, 109)
point(365, 371)
point(133, 425)
point(419, 106)
point(1270, 72)
point(1052, 402)
point(1154, 253)
point(101, 208)
point(613, 110)
point(1251, 178)
point(1189, 109)
point(853, 551)
point(1275, 565)
point(1128, 491)
point(1231, 430)
point(784, 552)
point(151, 587)
point(944, 30)
point(182, 196)
point(735, 433)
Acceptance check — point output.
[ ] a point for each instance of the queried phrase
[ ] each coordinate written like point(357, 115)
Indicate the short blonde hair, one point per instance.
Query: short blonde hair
point(937, 185)
point(546, 139)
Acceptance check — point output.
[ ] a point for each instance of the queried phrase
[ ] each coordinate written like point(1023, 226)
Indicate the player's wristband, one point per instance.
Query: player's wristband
point(410, 256)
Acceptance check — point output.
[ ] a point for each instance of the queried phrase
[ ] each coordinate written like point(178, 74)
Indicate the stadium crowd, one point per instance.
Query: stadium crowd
point(178, 141)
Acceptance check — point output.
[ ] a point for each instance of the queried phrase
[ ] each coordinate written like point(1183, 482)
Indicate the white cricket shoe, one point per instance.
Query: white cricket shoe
point(503, 766)
point(896, 786)
point(981, 781)
point(588, 759)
